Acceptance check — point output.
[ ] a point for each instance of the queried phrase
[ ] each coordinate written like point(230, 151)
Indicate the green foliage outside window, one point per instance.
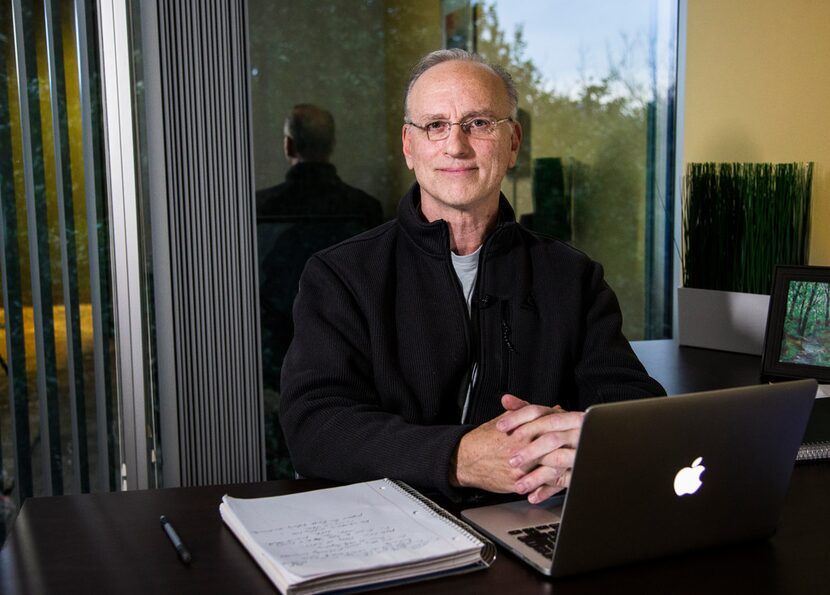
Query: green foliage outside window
point(599, 131)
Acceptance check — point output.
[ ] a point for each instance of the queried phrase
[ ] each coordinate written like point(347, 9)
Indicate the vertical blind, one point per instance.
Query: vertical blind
point(58, 427)
point(211, 293)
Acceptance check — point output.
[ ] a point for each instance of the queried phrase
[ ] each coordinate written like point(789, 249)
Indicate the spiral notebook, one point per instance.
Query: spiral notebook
point(363, 535)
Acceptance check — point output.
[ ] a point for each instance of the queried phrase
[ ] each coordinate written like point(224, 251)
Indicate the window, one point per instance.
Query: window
point(596, 82)
point(59, 430)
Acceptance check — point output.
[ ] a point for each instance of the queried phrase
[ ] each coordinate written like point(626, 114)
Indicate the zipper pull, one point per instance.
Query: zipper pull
point(485, 302)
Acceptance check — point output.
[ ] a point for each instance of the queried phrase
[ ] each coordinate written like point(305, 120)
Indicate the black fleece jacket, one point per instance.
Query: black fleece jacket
point(383, 346)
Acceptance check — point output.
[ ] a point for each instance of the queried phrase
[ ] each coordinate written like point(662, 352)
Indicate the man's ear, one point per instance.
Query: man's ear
point(515, 142)
point(406, 141)
point(288, 147)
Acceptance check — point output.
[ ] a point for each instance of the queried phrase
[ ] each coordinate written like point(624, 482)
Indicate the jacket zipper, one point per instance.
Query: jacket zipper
point(480, 302)
point(473, 322)
point(468, 331)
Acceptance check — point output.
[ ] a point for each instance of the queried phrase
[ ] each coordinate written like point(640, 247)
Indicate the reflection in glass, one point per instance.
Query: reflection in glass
point(597, 112)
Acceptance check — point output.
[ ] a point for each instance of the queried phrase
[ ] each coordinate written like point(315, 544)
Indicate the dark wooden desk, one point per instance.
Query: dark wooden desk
point(113, 543)
point(692, 369)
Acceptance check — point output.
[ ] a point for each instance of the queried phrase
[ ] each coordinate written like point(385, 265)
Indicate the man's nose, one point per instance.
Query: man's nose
point(458, 142)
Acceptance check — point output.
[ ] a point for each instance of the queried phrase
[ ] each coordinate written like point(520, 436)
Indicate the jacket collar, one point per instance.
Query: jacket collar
point(434, 237)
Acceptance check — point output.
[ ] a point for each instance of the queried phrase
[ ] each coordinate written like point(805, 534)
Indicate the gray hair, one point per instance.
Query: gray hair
point(312, 129)
point(438, 56)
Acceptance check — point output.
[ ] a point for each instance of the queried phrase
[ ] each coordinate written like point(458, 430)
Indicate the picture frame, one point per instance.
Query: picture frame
point(797, 339)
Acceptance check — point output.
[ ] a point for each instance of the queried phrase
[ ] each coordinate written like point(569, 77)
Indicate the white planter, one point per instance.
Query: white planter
point(724, 320)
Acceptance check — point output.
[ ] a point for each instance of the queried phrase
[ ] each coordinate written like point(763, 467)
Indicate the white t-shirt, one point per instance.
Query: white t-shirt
point(466, 267)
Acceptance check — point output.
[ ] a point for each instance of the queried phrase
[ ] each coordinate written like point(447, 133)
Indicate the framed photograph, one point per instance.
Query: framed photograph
point(797, 341)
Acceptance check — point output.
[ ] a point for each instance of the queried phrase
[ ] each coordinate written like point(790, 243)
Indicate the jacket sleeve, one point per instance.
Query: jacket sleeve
point(608, 369)
point(336, 424)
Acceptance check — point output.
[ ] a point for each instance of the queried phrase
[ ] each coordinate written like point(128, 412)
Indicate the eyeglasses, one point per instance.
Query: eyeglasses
point(476, 127)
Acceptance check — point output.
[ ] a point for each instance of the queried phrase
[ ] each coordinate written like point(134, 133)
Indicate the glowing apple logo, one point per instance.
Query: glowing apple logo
point(687, 480)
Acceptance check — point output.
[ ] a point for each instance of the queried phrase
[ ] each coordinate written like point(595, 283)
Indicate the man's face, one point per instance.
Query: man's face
point(459, 172)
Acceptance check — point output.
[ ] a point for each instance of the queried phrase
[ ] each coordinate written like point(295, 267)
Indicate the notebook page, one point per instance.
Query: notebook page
point(355, 527)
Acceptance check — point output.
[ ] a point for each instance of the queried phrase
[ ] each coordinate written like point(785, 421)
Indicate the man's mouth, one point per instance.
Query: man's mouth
point(457, 169)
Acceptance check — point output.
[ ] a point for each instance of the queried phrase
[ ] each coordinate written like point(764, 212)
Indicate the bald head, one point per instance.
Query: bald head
point(309, 132)
point(440, 56)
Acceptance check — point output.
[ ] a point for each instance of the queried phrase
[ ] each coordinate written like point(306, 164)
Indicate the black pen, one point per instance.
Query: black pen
point(174, 537)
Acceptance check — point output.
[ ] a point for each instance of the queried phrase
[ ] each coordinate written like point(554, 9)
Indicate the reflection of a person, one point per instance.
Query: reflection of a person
point(413, 340)
point(312, 186)
point(310, 211)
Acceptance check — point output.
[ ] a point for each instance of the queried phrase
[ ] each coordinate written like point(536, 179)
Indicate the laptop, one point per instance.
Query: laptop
point(660, 476)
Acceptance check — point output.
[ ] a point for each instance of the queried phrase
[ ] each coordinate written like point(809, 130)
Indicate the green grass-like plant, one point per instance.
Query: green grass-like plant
point(742, 219)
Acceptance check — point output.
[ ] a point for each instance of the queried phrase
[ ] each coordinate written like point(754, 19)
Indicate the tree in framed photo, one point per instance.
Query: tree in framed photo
point(806, 337)
point(797, 341)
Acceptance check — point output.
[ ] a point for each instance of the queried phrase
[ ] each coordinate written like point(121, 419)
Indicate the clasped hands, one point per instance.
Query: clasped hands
point(528, 449)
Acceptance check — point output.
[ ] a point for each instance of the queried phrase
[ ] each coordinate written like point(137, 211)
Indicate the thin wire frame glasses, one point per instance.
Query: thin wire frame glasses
point(480, 128)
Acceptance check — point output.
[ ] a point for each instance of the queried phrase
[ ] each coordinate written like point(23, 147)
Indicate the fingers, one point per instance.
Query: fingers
point(550, 435)
point(538, 444)
point(533, 420)
point(551, 448)
point(543, 493)
point(526, 413)
point(512, 402)
point(543, 482)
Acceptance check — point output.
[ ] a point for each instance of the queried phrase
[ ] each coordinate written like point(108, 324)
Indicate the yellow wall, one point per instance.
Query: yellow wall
point(758, 89)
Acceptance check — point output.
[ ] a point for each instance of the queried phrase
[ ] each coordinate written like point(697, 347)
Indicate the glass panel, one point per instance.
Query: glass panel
point(18, 417)
point(596, 85)
point(76, 268)
point(33, 351)
point(359, 69)
point(595, 161)
point(50, 421)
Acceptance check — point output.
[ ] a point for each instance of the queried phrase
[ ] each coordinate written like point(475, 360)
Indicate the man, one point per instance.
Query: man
point(311, 210)
point(312, 186)
point(452, 348)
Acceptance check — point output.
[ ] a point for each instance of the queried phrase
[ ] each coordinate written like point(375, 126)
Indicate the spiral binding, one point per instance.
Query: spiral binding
point(488, 549)
point(813, 451)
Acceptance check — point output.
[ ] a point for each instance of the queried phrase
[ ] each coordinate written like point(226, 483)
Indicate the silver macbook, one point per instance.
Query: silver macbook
point(664, 475)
